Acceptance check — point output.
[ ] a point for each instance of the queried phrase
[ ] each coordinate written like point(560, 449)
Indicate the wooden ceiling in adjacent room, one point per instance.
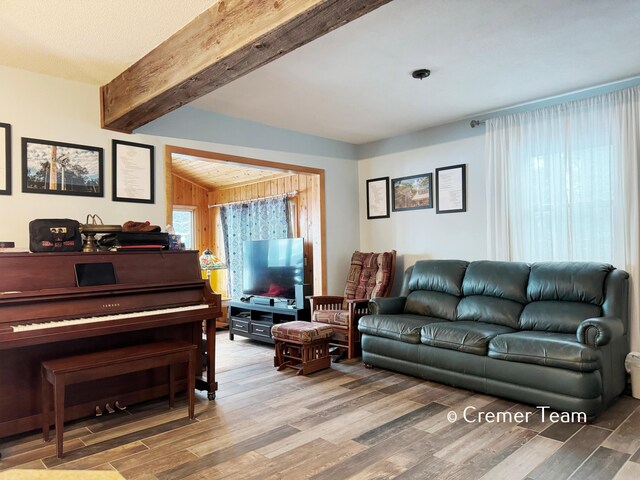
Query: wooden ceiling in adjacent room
point(214, 175)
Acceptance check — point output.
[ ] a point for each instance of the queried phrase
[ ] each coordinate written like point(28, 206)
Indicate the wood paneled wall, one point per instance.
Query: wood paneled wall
point(307, 206)
point(188, 194)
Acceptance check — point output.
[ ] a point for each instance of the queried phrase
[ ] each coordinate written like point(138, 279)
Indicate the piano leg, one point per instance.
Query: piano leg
point(210, 385)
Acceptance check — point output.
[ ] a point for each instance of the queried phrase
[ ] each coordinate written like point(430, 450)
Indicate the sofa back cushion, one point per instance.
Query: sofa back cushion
point(506, 280)
point(494, 292)
point(562, 294)
point(432, 304)
point(557, 316)
point(439, 276)
point(497, 311)
point(435, 287)
point(568, 281)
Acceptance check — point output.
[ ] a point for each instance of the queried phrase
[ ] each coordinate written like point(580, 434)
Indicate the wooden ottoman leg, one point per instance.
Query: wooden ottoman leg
point(305, 352)
point(277, 358)
point(316, 357)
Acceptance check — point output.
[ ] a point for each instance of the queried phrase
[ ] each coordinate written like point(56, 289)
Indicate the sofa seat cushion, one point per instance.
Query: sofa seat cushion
point(405, 327)
point(560, 350)
point(470, 337)
point(332, 317)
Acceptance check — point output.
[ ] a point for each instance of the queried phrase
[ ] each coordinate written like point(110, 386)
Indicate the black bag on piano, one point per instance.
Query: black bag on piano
point(54, 235)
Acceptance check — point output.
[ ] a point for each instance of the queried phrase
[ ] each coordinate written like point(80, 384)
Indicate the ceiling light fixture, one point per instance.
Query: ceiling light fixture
point(421, 73)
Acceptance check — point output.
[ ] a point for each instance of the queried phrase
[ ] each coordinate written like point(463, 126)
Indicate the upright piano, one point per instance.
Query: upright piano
point(126, 298)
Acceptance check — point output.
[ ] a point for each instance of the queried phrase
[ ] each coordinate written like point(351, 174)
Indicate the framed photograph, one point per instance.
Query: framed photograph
point(133, 172)
point(451, 186)
point(5, 159)
point(61, 168)
point(411, 193)
point(378, 198)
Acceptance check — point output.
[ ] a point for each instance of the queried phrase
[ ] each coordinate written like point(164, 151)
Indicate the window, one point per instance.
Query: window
point(553, 210)
point(555, 183)
point(184, 223)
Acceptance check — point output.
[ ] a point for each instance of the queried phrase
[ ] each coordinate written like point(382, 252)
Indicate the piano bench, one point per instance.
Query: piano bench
point(61, 372)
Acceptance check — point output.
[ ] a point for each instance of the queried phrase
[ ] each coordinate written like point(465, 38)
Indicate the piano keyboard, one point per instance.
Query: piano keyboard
point(105, 318)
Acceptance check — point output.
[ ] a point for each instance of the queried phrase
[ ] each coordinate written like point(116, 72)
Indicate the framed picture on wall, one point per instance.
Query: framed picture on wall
point(451, 185)
point(5, 159)
point(133, 172)
point(411, 193)
point(378, 198)
point(61, 168)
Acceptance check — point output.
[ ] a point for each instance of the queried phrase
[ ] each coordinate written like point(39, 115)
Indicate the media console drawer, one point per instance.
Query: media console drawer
point(240, 325)
point(261, 329)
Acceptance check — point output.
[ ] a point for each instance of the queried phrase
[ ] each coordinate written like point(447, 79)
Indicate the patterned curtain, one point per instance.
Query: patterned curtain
point(255, 220)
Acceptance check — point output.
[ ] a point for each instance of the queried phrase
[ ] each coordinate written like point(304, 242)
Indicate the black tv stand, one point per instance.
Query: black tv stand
point(255, 321)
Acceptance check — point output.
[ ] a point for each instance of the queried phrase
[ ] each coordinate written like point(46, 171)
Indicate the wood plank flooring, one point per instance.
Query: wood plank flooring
point(344, 422)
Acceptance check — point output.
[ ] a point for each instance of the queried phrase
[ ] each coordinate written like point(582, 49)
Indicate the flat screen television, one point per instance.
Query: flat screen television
point(272, 268)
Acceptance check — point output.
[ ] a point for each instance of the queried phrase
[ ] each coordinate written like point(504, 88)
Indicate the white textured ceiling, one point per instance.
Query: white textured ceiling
point(87, 40)
point(354, 84)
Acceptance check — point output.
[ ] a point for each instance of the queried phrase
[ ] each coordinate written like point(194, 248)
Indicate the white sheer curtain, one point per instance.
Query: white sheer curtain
point(562, 184)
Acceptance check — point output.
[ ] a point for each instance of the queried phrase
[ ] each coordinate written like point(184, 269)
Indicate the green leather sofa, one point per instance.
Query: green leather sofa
point(548, 334)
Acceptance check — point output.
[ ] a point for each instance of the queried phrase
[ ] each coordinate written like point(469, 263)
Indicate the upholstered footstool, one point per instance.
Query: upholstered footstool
point(303, 346)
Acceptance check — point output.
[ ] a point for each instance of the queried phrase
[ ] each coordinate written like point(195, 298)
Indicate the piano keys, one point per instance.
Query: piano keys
point(44, 314)
point(25, 327)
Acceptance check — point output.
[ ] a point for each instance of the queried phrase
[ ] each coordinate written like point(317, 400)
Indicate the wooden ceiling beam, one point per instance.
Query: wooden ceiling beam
point(227, 41)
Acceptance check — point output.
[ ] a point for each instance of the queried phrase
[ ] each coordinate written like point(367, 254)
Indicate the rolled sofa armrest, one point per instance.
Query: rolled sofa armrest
point(599, 331)
point(387, 305)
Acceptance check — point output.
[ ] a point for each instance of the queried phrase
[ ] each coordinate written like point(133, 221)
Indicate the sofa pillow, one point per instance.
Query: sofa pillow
point(569, 281)
point(498, 311)
point(439, 276)
point(556, 316)
point(497, 279)
point(432, 304)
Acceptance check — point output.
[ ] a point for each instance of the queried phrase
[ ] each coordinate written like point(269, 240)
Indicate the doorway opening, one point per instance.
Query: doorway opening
point(202, 181)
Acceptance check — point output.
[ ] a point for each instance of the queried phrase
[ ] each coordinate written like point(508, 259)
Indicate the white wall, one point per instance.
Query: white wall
point(423, 233)
point(48, 108)
point(39, 106)
point(419, 234)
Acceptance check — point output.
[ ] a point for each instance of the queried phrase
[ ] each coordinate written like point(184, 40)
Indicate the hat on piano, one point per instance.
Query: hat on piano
point(132, 226)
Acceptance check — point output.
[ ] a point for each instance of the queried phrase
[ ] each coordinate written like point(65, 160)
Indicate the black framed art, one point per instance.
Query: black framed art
point(59, 168)
point(5, 159)
point(378, 198)
point(411, 193)
point(451, 186)
point(133, 172)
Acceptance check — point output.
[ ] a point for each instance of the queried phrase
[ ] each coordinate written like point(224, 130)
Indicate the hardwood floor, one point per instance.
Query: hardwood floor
point(344, 422)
